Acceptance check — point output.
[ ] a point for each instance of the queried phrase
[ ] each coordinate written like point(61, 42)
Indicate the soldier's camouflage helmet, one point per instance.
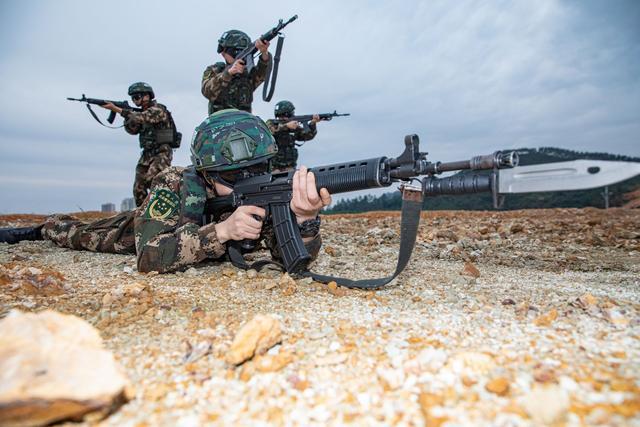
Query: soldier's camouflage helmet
point(141, 87)
point(284, 108)
point(234, 39)
point(231, 139)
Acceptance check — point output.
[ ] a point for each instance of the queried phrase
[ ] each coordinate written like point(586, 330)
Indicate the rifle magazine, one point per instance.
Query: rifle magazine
point(294, 253)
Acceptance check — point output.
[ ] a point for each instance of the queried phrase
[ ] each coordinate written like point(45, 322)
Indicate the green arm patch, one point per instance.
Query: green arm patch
point(162, 204)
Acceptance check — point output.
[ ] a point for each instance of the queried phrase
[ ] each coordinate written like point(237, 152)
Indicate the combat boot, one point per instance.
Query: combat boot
point(17, 234)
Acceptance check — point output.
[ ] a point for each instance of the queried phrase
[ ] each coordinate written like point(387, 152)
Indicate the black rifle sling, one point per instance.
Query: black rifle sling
point(238, 261)
point(98, 120)
point(411, 208)
point(270, 85)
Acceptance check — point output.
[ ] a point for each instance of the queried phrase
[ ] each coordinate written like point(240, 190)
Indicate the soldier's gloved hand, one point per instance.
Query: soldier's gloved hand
point(237, 67)
point(306, 201)
point(263, 47)
point(293, 125)
point(316, 118)
point(241, 224)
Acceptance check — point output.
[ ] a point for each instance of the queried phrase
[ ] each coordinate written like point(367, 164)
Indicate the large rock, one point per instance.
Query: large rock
point(54, 367)
point(254, 338)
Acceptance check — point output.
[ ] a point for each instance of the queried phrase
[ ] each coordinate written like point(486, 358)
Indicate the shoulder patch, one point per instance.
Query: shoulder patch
point(163, 203)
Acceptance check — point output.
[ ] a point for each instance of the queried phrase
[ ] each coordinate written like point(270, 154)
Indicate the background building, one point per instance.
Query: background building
point(127, 204)
point(108, 207)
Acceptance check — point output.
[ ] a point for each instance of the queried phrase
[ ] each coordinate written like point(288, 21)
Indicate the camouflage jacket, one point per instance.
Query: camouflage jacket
point(169, 232)
point(224, 90)
point(286, 137)
point(146, 123)
point(287, 155)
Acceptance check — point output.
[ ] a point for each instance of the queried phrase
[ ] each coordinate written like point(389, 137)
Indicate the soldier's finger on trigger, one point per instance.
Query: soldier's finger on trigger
point(257, 221)
point(255, 210)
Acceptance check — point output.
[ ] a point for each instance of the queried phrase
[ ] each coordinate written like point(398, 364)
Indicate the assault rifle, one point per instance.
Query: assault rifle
point(273, 192)
point(112, 115)
point(247, 56)
point(305, 118)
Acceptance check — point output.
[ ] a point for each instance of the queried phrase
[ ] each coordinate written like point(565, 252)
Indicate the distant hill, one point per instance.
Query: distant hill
point(528, 156)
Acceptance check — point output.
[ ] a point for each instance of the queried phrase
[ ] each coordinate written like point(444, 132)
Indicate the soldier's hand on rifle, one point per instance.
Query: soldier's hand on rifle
point(241, 224)
point(306, 202)
point(237, 67)
point(110, 106)
point(293, 125)
point(316, 118)
point(263, 47)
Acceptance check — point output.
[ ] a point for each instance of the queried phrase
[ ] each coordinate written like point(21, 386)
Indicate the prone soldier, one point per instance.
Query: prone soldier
point(168, 232)
point(229, 84)
point(157, 133)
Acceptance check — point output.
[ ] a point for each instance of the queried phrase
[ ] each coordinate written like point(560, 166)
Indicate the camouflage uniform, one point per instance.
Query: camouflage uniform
point(112, 235)
point(287, 155)
point(156, 151)
point(224, 90)
point(168, 227)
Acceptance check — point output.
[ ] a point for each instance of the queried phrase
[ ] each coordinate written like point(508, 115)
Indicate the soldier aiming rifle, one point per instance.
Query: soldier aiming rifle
point(288, 128)
point(156, 129)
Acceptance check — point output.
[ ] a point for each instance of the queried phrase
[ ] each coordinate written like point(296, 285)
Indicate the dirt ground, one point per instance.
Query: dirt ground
point(514, 318)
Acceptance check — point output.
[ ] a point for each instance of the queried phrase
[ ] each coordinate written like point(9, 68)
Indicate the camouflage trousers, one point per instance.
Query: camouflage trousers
point(112, 235)
point(151, 163)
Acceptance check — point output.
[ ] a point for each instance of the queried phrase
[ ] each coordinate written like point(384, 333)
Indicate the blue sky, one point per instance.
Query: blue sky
point(469, 77)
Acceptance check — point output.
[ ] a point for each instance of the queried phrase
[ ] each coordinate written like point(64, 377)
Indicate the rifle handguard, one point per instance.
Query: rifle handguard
point(352, 176)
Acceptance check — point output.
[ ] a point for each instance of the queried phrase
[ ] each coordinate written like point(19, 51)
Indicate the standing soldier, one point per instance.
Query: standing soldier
point(287, 132)
point(233, 87)
point(158, 136)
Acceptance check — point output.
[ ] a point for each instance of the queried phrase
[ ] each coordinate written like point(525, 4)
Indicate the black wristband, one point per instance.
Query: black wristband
point(310, 227)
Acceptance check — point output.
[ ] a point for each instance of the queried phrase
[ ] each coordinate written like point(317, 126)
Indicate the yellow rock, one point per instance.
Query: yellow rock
point(547, 318)
point(499, 386)
point(52, 367)
point(269, 363)
point(255, 337)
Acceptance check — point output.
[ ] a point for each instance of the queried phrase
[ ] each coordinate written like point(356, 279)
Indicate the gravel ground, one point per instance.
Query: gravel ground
point(502, 318)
